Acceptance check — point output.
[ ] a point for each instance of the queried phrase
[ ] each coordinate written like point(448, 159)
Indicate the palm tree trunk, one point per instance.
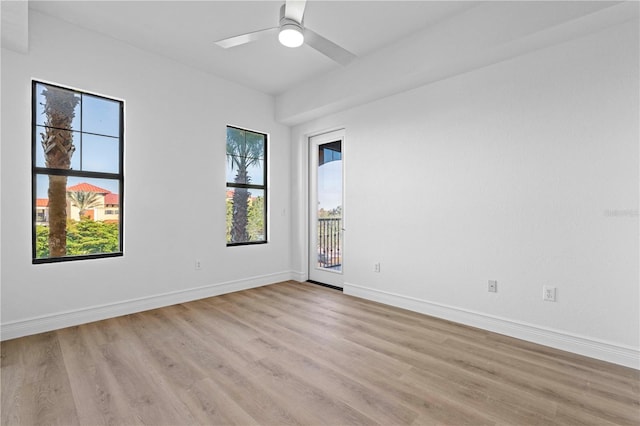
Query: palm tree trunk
point(57, 216)
point(57, 142)
point(240, 215)
point(240, 208)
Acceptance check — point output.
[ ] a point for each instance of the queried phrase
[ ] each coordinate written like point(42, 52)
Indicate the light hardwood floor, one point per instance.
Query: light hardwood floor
point(295, 353)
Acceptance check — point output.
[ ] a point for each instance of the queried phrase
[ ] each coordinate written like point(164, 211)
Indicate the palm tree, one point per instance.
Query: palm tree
point(84, 200)
point(57, 142)
point(243, 151)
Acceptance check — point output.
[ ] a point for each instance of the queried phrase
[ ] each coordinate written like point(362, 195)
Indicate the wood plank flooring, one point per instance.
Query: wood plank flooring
point(299, 354)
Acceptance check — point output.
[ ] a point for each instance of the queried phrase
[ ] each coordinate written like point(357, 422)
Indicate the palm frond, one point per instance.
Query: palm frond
point(84, 200)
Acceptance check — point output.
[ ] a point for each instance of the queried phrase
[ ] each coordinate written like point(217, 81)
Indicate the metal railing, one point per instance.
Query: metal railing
point(330, 242)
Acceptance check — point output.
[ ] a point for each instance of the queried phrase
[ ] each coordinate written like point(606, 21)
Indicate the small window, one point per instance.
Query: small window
point(246, 187)
point(77, 161)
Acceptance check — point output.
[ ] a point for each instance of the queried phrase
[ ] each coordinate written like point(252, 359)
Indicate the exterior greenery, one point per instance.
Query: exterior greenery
point(83, 237)
point(333, 213)
point(84, 201)
point(255, 219)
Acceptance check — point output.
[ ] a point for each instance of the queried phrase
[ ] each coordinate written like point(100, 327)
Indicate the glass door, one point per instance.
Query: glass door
point(326, 245)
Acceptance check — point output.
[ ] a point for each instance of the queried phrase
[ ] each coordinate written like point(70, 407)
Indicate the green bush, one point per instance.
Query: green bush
point(84, 237)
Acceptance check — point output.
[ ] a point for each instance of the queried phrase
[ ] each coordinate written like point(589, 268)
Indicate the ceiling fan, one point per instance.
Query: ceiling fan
point(292, 33)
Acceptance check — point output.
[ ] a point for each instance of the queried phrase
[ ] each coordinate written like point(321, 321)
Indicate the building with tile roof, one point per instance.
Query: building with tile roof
point(107, 208)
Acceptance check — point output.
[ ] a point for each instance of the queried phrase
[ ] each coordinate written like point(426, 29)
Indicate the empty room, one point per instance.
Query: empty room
point(320, 212)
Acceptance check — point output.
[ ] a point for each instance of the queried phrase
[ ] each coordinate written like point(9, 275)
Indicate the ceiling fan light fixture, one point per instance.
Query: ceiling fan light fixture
point(291, 35)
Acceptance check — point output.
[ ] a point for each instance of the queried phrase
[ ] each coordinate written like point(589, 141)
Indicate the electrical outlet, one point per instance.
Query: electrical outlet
point(376, 267)
point(198, 265)
point(493, 286)
point(548, 293)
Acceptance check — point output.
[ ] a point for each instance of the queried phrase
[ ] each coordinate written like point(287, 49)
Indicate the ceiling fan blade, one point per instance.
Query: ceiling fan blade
point(245, 38)
point(294, 9)
point(327, 47)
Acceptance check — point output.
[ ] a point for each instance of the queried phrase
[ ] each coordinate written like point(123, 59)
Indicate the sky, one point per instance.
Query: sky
point(330, 185)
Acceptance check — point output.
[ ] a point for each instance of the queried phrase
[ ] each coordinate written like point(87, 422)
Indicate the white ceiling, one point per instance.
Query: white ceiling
point(186, 30)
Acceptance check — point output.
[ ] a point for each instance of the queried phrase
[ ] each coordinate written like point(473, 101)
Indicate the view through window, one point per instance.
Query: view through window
point(77, 145)
point(246, 187)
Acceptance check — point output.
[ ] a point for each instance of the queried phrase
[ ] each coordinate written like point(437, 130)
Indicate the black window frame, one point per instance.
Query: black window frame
point(35, 171)
point(263, 187)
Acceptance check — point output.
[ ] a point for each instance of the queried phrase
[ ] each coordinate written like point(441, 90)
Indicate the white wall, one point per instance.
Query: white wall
point(175, 127)
point(525, 172)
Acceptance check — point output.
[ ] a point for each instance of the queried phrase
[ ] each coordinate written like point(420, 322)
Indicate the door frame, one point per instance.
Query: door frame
point(331, 135)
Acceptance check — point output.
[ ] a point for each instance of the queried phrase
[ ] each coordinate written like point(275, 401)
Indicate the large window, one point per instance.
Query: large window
point(246, 187)
point(77, 176)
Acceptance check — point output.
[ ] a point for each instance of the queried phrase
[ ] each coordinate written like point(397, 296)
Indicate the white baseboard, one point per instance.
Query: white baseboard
point(606, 351)
point(29, 326)
point(299, 276)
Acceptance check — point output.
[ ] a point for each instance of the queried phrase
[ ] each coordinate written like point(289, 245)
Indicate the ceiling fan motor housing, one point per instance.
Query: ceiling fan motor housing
point(284, 20)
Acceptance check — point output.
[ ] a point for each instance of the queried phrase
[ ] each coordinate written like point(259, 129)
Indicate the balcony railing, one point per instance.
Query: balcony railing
point(330, 243)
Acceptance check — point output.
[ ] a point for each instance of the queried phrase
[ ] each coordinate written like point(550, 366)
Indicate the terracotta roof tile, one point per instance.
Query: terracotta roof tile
point(42, 202)
point(87, 187)
point(111, 198)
